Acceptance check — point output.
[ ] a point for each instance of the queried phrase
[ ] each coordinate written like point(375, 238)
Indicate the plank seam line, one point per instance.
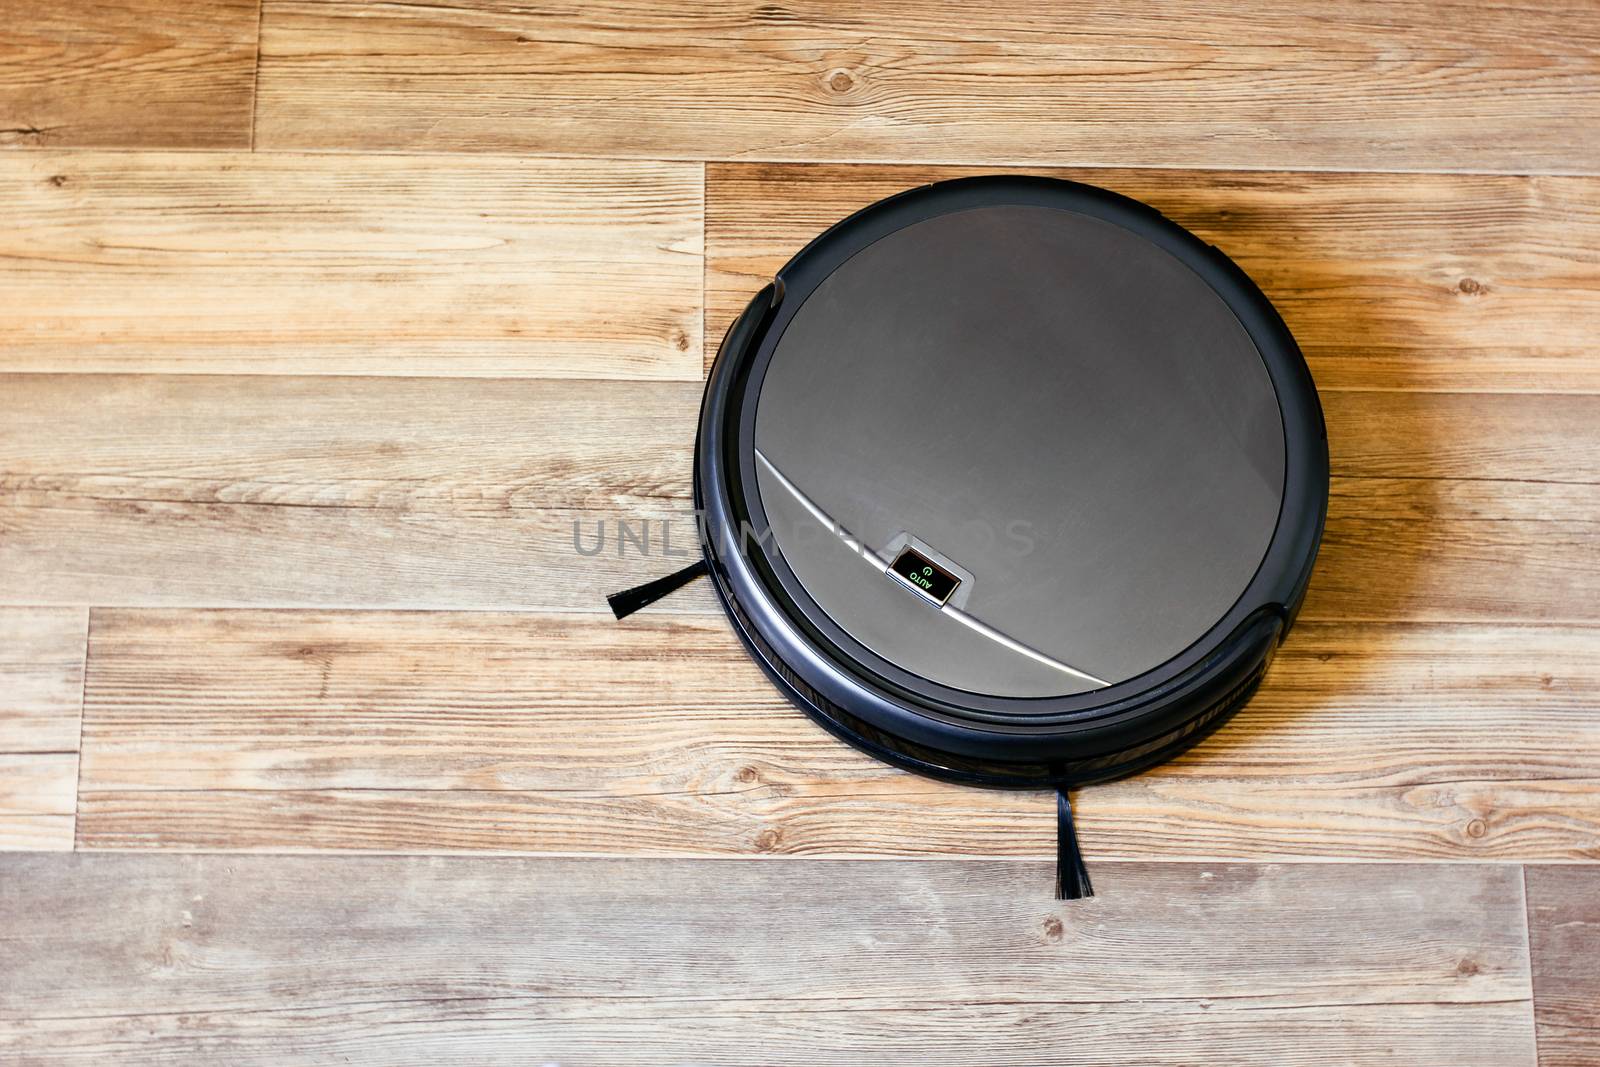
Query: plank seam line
point(838, 1005)
point(601, 795)
point(357, 854)
point(255, 80)
point(705, 266)
point(1527, 948)
point(654, 384)
point(83, 708)
point(756, 163)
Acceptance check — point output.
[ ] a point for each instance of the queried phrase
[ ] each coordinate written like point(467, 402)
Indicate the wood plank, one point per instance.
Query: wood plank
point(1564, 940)
point(1439, 500)
point(127, 73)
point(41, 705)
point(252, 730)
point(269, 960)
point(216, 490)
point(389, 492)
point(37, 800)
point(1394, 85)
point(1388, 281)
point(288, 264)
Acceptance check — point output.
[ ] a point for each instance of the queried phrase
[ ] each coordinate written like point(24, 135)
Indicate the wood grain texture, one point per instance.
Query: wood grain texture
point(1393, 85)
point(127, 73)
point(1388, 281)
point(329, 377)
point(233, 262)
point(269, 730)
point(41, 703)
point(255, 960)
point(1564, 939)
point(1460, 507)
point(385, 492)
point(378, 491)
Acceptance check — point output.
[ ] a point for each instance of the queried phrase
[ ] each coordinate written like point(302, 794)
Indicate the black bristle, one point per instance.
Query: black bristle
point(1072, 877)
point(629, 601)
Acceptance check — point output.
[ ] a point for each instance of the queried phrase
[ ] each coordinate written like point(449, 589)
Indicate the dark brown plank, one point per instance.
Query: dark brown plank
point(297, 730)
point(1388, 281)
point(1564, 939)
point(127, 73)
point(438, 493)
point(1393, 85)
point(269, 960)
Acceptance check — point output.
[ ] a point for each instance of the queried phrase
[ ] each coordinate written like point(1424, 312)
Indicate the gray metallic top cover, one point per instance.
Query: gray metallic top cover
point(1047, 402)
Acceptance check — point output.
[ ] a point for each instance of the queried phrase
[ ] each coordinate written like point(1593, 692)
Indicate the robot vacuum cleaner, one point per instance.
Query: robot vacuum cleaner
point(1013, 482)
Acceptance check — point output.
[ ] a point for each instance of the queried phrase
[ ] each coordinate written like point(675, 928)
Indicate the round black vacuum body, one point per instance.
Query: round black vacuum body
point(1012, 481)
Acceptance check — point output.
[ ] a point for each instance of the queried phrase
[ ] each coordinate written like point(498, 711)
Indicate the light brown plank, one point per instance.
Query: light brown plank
point(386, 492)
point(402, 731)
point(1391, 85)
point(41, 703)
point(217, 490)
point(37, 800)
point(268, 960)
point(1460, 506)
point(127, 73)
point(1388, 281)
point(233, 262)
point(1564, 939)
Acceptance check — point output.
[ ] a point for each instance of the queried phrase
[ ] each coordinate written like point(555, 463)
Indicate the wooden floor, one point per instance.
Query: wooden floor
point(331, 329)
